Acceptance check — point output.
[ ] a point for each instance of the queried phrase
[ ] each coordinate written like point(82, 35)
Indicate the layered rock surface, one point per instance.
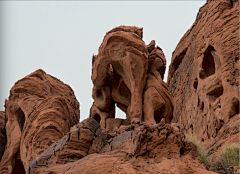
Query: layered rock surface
point(204, 75)
point(136, 148)
point(39, 111)
point(127, 73)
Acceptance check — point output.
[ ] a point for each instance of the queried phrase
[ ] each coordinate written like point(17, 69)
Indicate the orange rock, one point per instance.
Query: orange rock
point(204, 73)
point(142, 149)
point(129, 74)
point(40, 110)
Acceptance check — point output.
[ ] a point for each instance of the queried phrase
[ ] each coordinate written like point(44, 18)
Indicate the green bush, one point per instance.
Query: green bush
point(229, 155)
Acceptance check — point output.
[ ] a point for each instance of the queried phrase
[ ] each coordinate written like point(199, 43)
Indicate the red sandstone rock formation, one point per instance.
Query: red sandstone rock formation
point(40, 110)
point(136, 148)
point(204, 75)
point(125, 69)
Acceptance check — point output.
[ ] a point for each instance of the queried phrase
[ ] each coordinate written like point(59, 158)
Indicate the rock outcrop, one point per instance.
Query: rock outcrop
point(39, 111)
point(127, 73)
point(204, 75)
point(136, 148)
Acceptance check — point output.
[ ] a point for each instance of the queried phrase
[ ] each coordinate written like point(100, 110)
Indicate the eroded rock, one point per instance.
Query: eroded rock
point(204, 73)
point(40, 110)
point(129, 74)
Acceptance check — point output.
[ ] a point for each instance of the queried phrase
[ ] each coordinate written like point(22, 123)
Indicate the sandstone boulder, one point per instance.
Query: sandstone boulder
point(40, 110)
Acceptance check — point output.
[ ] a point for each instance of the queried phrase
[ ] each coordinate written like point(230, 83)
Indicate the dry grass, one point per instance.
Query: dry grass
point(201, 151)
point(229, 155)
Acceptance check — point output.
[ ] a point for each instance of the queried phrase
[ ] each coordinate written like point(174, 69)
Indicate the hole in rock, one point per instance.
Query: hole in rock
point(20, 118)
point(195, 83)
point(208, 64)
point(158, 114)
point(18, 167)
point(216, 93)
point(191, 127)
point(237, 108)
point(120, 113)
point(124, 91)
point(99, 94)
point(202, 106)
point(97, 118)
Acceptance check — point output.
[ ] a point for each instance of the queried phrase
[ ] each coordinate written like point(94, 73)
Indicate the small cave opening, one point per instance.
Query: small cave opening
point(208, 64)
point(234, 108)
point(97, 118)
point(216, 93)
point(195, 83)
point(18, 167)
point(158, 114)
point(20, 118)
point(237, 108)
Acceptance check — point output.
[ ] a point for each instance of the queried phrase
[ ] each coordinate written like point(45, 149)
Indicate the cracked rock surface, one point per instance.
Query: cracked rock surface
point(136, 148)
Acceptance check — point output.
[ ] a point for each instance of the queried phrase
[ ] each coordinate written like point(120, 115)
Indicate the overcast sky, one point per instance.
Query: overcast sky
point(60, 37)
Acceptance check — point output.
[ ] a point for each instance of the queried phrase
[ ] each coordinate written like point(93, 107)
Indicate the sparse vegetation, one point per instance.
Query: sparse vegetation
point(228, 156)
point(201, 152)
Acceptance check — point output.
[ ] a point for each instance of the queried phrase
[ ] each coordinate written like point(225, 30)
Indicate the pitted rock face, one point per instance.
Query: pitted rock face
point(204, 72)
point(40, 110)
point(127, 73)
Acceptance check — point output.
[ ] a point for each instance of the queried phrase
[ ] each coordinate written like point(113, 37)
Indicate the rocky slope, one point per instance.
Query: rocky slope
point(136, 148)
point(204, 75)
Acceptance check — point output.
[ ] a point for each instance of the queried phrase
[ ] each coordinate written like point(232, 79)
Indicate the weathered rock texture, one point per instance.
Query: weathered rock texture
point(204, 75)
point(127, 73)
point(3, 138)
point(136, 148)
point(40, 110)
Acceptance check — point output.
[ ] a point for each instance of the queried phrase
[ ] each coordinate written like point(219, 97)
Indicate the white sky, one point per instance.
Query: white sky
point(60, 37)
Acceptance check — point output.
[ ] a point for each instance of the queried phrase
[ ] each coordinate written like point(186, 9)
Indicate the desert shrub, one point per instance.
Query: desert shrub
point(229, 155)
point(201, 152)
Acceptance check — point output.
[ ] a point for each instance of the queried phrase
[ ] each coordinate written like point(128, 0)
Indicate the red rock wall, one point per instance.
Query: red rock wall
point(204, 72)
